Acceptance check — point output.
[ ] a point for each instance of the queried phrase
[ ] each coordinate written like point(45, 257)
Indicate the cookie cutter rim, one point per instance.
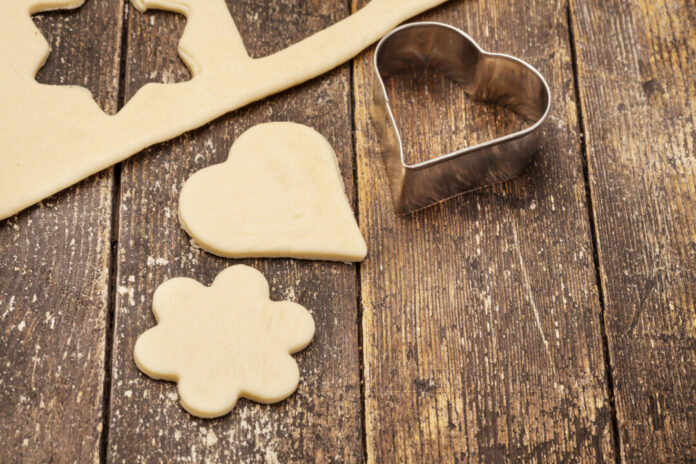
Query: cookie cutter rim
point(383, 100)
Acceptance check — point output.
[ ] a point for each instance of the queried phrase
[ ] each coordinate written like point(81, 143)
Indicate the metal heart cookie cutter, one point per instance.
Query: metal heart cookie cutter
point(487, 77)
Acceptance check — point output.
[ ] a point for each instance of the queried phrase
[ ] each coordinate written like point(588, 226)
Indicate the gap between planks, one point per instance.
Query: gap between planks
point(113, 252)
point(593, 232)
point(358, 266)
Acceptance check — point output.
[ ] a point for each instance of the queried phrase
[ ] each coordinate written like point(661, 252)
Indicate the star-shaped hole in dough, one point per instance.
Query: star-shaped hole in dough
point(151, 49)
point(223, 342)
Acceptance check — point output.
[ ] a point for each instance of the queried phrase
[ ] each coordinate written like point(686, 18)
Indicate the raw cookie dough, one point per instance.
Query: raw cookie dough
point(53, 136)
point(279, 194)
point(223, 342)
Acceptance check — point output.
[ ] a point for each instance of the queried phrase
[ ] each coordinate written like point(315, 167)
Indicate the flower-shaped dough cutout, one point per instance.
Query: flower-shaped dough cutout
point(223, 342)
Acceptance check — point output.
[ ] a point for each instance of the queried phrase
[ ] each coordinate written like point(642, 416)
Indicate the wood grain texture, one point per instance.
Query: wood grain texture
point(466, 124)
point(636, 64)
point(321, 422)
point(270, 26)
point(481, 316)
point(54, 274)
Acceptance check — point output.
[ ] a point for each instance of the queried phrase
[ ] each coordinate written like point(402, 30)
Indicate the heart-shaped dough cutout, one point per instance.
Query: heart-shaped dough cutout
point(279, 194)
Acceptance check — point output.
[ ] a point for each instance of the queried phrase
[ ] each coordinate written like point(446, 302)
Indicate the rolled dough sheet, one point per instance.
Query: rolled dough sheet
point(53, 136)
point(279, 194)
point(223, 342)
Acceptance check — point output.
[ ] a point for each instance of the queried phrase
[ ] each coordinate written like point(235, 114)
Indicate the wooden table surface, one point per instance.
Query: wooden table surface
point(548, 319)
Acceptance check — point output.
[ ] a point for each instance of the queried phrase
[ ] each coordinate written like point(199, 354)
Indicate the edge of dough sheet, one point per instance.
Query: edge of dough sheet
point(226, 220)
point(51, 136)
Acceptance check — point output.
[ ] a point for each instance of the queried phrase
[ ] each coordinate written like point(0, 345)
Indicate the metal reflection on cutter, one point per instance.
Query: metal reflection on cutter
point(488, 77)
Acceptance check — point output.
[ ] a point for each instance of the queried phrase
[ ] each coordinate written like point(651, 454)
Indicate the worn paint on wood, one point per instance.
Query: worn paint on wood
point(636, 64)
point(321, 422)
point(481, 317)
point(54, 274)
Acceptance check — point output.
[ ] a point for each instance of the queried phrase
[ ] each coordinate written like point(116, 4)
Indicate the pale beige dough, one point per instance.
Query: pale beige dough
point(279, 194)
point(223, 342)
point(53, 136)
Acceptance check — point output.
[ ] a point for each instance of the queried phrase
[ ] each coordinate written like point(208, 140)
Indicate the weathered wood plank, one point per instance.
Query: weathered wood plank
point(481, 316)
point(322, 421)
point(54, 274)
point(636, 64)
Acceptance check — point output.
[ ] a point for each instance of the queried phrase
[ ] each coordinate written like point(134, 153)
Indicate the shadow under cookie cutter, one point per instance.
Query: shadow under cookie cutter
point(488, 77)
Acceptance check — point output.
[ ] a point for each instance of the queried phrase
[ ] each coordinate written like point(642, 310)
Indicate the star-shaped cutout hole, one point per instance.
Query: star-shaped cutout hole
point(223, 342)
point(92, 45)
